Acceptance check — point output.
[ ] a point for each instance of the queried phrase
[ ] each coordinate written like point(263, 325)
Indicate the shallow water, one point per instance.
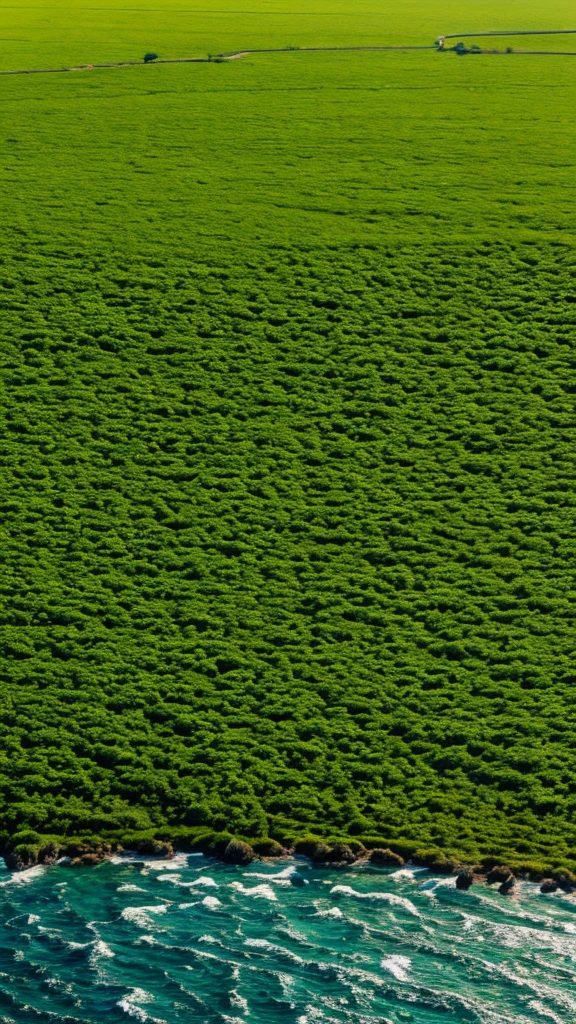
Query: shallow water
point(196, 940)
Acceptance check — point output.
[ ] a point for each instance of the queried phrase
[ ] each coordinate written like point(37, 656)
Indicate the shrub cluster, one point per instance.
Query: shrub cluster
point(291, 546)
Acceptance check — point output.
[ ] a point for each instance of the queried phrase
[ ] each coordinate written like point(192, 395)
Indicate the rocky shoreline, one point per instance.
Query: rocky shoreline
point(21, 856)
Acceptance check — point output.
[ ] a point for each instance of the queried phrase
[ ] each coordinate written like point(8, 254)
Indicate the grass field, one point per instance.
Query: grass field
point(288, 362)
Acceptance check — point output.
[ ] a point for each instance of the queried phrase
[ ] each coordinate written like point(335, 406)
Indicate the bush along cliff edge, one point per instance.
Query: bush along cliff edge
point(28, 849)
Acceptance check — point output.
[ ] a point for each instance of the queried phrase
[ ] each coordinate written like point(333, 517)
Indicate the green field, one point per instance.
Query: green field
point(288, 441)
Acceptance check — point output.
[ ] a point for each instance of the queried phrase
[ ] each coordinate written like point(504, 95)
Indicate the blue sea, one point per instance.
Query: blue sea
point(195, 940)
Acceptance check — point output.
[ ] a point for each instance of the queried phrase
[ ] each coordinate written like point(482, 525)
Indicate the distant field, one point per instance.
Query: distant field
point(99, 30)
point(288, 356)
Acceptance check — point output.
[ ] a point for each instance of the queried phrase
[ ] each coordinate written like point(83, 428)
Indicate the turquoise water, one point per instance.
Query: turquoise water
point(195, 940)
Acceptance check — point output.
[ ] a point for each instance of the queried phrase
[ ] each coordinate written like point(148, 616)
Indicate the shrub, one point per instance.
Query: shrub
point(386, 858)
point(341, 853)
point(26, 837)
point(149, 57)
point(267, 848)
point(308, 846)
point(218, 842)
point(444, 865)
point(24, 855)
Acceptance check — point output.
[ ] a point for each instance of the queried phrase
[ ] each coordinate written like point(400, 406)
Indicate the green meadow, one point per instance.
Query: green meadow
point(288, 426)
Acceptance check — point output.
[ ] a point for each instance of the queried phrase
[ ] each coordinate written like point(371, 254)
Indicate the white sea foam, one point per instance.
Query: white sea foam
point(176, 863)
point(258, 892)
point(469, 922)
point(205, 954)
point(429, 887)
point(402, 875)
point(280, 878)
point(522, 936)
point(206, 881)
point(270, 947)
point(540, 989)
point(130, 888)
point(130, 1005)
point(25, 877)
point(385, 897)
point(545, 1011)
point(211, 902)
point(351, 976)
point(330, 912)
point(238, 1001)
point(140, 916)
point(397, 965)
point(100, 950)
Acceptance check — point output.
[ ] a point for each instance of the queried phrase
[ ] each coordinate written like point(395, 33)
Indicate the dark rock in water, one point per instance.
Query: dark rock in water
point(298, 880)
point(340, 853)
point(549, 885)
point(566, 880)
point(498, 874)
point(154, 848)
point(238, 852)
point(464, 879)
point(507, 886)
point(386, 858)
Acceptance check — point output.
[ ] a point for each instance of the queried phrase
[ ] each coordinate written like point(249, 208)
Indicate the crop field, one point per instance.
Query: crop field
point(288, 378)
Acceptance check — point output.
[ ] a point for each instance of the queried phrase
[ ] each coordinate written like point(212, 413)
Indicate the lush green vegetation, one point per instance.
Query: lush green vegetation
point(288, 489)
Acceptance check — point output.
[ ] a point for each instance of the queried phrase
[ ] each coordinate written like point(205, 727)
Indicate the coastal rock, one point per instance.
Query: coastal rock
point(507, 886)
point(549, 885)
point(566, 880)
point(83, 855)
point(320, 853)
point(238, 852)
point(21, 857)
point(498, 874)
point(313, 848)
point(48, 854)
point(341, 853)
point(153, 848)
point(464, 879)
point(88, 860)
point(385, 858)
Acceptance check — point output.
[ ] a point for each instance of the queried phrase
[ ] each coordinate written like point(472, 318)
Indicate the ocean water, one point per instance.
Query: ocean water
point(195, 940)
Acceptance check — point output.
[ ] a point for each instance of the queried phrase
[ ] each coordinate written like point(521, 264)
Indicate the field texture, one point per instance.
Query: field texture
point(288, 358)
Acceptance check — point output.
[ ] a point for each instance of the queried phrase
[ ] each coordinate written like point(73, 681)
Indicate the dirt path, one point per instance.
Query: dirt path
point(204, 60)
point(301, 49)
point(532, 32)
